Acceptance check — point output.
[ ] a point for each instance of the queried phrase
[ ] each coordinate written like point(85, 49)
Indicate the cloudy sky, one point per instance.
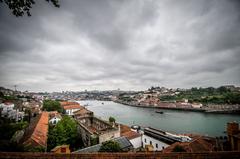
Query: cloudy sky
point(131, 45)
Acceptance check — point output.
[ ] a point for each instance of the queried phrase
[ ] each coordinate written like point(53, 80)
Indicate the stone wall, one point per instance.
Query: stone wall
point(127, 155)
point(110, 134)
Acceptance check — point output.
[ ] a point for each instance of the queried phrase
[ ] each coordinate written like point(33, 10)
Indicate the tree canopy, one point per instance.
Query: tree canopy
point(110, 146)
point(111, 119)
point(52, 105)
point(64, 133)
point(21, 7)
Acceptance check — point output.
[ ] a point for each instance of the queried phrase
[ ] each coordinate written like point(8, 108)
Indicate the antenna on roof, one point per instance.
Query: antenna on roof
point(15, 88)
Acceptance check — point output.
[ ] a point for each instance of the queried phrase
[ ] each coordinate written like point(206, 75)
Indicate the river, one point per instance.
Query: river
point(172, 120)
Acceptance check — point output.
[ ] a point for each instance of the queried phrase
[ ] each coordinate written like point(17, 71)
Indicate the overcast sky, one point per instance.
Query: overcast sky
point(131, 45)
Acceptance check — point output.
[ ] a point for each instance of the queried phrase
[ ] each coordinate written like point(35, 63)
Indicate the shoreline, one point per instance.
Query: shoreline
point(232, 112)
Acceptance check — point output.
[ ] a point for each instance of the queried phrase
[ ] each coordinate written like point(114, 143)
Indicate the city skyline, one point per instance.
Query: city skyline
point(131, 45)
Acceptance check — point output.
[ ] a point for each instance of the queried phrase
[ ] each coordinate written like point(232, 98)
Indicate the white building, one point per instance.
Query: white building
point(6, 107)
point(8, 111)
point(157, 144)
point(160, 139)
point(54, 117)
point(70, 110)
point(70, 107)
point(54, 120)
point(136, 141)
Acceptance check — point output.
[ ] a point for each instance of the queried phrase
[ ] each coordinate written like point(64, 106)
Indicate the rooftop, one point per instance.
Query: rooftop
point(123, 142)
point(37, 131)
point(127, 132)
point(199, 144)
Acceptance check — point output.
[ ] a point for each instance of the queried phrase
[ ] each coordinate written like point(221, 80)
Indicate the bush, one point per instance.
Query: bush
point(110, 146)
point(52, 105)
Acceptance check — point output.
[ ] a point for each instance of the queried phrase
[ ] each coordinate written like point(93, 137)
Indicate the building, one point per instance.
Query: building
point(160, 139)
point(134, 137)
point(82, 112)
point(197, 144)
point(8, 111)
point(94, 130)
point(123, 142)
point(36, 133)
point(54, 117)
point(61, 149)
point(233, 133)
point(6, 107)
point(70, 107)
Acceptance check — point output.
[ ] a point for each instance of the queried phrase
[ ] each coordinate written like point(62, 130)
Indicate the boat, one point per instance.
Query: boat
point(160, 112)
point(85, 105)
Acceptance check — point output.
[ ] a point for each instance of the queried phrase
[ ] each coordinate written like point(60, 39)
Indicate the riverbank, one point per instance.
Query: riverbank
point(203, 110)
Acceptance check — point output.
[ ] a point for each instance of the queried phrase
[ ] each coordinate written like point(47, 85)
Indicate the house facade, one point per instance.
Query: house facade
point(54, 117)
point(70, 107)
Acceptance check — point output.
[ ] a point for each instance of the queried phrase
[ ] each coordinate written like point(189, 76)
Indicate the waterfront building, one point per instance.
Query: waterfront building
point(160, 139)
point(70, 107)
point(134, 137)
point(197, 144)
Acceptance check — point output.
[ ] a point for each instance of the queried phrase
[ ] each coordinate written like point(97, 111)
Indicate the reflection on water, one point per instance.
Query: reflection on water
point(170, 120)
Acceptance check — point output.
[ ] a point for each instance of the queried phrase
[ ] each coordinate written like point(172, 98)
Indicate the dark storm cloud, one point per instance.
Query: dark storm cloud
point(89, 44)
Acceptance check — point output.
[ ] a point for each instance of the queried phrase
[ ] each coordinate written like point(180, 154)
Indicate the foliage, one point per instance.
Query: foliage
point(110, 146)
point(94, 140)
point(7, 146)
point(21, 7)
point(51, 105)
point(64, 133)
point(209, 95)
point(9, 97)
point(11, 128)
point(178, 148)
point(111, 119)
point(34, 149)
point(7, 130)
point(126, 98)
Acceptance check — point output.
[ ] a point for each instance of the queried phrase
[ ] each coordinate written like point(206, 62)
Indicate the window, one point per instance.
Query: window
point(163, 147)
point(145, 140)
point(156, 145)
point(150, 142)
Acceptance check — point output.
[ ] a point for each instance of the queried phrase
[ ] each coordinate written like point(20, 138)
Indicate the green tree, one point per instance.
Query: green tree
point(51, 105)
point(110, 146)
point(65, 132)
point(21, 7)
point(111, 119)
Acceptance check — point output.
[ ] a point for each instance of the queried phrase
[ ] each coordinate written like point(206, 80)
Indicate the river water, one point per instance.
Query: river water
point(172, 120)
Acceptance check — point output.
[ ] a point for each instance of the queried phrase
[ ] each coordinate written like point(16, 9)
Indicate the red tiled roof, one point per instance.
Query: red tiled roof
point(82, 111)
point(127, 132)
point(197, 145)
point(39, 133)
point(70, 105)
